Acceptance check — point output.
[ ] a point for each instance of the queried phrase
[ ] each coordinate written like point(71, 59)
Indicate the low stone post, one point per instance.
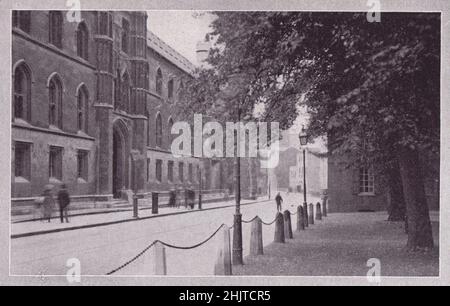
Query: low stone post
point(305, 214)
point(279, 228)
point(155, 197)
point(287, 225)
point(318, 212)
point(160, 267)
point(135, 206)
point(300, 219)
point(256, 239)
point(223, 261)
point(311, 214)
point(324, 207)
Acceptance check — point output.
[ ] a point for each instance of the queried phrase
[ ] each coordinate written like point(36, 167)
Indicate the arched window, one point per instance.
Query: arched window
point(55, 28)
point(55, 102)
point(169, 132)
point(159, 132)
point(170, 89)
point(82, 41)
point(125, 35)
point(22, 92)
point(22, 20)
point(159, 82)
point(82, 109)
point(125, 93)
point(147, 114)
point(104, 24)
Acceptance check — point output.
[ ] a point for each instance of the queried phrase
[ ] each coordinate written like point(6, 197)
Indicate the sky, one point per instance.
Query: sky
point(180, 29)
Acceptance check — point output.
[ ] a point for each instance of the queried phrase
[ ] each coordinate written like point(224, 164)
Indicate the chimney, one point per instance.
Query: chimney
point(203, 48)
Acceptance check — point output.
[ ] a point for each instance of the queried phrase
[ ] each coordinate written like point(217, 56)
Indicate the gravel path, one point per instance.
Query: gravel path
point(341, 245)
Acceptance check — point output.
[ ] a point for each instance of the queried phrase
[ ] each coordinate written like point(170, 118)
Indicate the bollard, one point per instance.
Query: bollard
point(305, 214)
point(318, 212)
point(311, 214)
point(154, 202)
point(324, 208)
point(300, 219)
point(135, 207)
point(256, 239)
point(279, 228)
point(223, 261)
point(287, 225)
point(160, 259)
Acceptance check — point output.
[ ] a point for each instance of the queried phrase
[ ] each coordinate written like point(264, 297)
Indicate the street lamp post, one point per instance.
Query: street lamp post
point(303, 142)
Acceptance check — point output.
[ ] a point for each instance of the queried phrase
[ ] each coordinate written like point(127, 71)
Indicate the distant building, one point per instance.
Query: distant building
point(352, 189)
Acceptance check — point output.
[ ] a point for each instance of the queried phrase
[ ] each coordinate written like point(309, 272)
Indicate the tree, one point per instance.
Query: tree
point(371, 83)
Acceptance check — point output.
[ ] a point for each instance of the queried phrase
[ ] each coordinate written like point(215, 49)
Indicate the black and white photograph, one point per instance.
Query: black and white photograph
point(277, 143)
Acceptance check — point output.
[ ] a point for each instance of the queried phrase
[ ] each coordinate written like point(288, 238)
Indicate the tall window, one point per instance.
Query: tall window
point(22, 160)
point(366, 180)
point(159, 132)
point(169, 132)
point(191, 173)
point(181, 172)
point(55, 163)
point(170, 89)
point(82, 107)
point(55, 102)
point(104, 24)
point(147, 114)
point(125, 35)
point(126, 92)
point(82, 165)
point(22, 92)
point(159, 82)
point(22, 20)
point(170, 171)
point(159, 170)
point(55, 28)
point(82, 41)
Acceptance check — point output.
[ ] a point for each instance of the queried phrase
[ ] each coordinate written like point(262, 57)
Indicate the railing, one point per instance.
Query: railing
point(223, 265)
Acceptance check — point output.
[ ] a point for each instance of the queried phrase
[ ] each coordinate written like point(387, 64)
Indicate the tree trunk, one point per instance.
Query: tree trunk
point(420, 234)
point(397, 206)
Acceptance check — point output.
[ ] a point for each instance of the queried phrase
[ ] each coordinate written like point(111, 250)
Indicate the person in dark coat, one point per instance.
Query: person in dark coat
point(279, 200)
point(63, 201)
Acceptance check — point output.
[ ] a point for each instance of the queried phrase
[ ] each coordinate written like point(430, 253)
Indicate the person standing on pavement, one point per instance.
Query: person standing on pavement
point(48, 203)
point(278, 200)
point(63, 201)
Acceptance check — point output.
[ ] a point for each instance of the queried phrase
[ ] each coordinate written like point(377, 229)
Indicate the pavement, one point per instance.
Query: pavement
point(341, 245)
point(95, 219)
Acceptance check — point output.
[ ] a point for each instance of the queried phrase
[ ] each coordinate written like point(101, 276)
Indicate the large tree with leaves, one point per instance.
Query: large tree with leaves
point(375, 84)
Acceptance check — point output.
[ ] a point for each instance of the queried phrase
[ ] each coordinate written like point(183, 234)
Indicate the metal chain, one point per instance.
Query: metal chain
point(167, 245)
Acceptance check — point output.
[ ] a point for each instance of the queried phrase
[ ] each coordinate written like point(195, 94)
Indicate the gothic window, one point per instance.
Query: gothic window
point(169, 132)
point(55, 102)
point(82, 107)
point(159, 132)
point(181, 172)
point(159, 82)
point(126, 92)
point(159, 170)
point(55, 28)
point(170, 89)
point(125, 35)
point(104, 24)
point(82, 41)
point(22, 92)
point(22, 20)
point(82, 165)
point(55, 163)
point(170, 171)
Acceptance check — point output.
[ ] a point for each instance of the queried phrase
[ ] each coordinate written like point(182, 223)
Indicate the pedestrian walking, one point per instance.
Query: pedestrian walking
point(63, 201)
point(48, 203)
point(279, 200)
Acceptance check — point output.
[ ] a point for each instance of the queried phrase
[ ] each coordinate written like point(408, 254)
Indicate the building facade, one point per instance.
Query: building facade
point(93, 106)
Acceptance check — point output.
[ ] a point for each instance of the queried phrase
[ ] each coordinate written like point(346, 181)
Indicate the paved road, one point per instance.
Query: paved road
point(103, 249)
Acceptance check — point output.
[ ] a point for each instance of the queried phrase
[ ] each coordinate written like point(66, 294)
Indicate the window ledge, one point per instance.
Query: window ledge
point(21, 180)
point(21, 121)
point(81, 180)
point(54, 128)
point(54, 180)
point(366, 194)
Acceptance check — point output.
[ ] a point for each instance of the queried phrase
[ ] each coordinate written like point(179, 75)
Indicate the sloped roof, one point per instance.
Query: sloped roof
point(159, 46)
